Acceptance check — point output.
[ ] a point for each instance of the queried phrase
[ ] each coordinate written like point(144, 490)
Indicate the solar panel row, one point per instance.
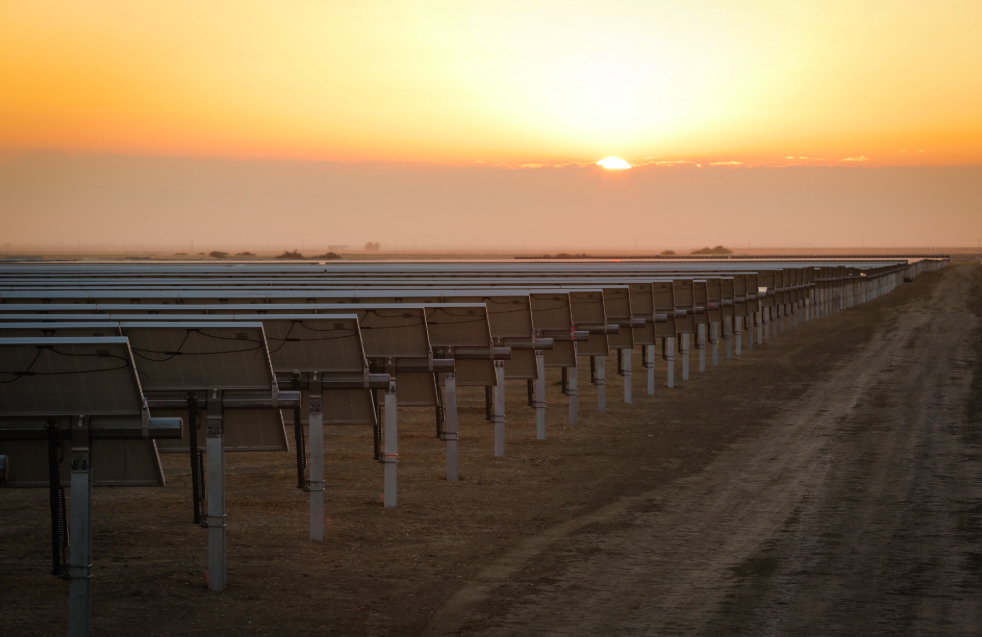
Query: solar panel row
point(233, 344)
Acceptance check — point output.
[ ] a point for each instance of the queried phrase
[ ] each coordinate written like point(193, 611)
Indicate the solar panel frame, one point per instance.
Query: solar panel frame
point(115, 462)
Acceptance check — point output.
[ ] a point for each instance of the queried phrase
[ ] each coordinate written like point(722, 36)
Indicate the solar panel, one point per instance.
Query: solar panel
point(463, 326)
point(195, 356)
point(45, 378)
point(200, 355)
point(314, 343)
point(552, 318)
point(395, 332)
point(587, 309)
point(115, 462)
point(68, 376)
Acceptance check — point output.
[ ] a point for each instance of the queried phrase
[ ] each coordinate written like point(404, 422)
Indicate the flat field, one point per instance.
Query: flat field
point(827, 482)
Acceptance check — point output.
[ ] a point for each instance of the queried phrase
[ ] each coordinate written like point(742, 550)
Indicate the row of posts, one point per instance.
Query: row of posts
point(767, 321)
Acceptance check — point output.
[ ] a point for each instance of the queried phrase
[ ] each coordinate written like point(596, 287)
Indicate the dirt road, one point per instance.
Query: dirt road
point(856, 510)
point(828, 482)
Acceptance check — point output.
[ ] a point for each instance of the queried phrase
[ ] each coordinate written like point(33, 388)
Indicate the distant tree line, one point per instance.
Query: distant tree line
point(296, 254)
point(715, 250)
point(286, 254)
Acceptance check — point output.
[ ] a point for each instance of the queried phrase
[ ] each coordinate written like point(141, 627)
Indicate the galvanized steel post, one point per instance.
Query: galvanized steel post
point(627, 375)
point(450, 422)
point(390, 455)
point(540, 394)
point(714, 344)
point(573, 390)
point(685, 356)
point(601, 383)
point(80, 558)
point(315, 436)
point(668, 346)
point(701, 345)
point(215, 449)
point(728, 336)
point(651, 370)
point(499, 409)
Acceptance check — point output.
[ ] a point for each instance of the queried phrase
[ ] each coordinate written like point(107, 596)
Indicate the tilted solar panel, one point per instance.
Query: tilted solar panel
point(46, 380)
point(68, 376)
point(189, 356)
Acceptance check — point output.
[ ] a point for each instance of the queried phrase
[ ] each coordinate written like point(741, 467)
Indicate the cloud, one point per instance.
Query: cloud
point(726, 163)
point(669, 163)
point(856, 159)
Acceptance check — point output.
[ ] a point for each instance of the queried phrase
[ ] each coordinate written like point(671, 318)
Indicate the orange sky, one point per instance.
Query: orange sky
point(442, 124)
point(509, 82)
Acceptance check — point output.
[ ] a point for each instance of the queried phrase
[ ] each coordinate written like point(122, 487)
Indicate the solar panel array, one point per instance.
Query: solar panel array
point(367, 336)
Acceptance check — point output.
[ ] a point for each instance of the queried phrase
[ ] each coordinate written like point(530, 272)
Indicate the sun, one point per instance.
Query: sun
point(614, 163)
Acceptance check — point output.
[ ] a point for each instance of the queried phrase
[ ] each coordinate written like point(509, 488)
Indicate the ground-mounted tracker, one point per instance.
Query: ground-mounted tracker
point(369, 269)
point(368, 273)
point(387, 318)
point(415, 343)
point(323, 357)
point(85, 391)
point(320, 355)
point(311, 295)
point(54, 376)
point(220, 369)
point(389, 333)
point(316, 272)
point(397, 340)
point(216, 369)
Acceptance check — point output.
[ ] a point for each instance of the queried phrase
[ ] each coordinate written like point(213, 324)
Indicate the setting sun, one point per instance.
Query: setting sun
point(614, 163)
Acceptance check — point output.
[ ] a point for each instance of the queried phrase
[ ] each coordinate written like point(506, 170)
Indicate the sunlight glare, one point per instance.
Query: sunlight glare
point(614, 163)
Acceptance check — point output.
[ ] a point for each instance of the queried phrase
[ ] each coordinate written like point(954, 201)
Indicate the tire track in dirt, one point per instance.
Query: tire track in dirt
point(852, 512)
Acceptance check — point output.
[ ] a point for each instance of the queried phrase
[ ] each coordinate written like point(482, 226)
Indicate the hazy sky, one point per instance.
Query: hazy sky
point(450, 123)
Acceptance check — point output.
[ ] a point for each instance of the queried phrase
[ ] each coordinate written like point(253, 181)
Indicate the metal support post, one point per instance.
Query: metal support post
point(685, 356)
point(56, 501)
point(80, 555)
point(714, 344)
point(601, 383)
point(315, 425)
point(540, 394)
point(627, 375)
point(651, 370)
point(701, 345)
point(450, 427)
point(738, 332)
point(728, 336)
point(390, 455)
point(574, 391)
point(499, 409)
point(215, 519)
point(668, 347)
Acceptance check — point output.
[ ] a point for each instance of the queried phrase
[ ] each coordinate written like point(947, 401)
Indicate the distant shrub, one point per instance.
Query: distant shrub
point(290, 254)
point(668, 253)
point(715, 250)
point(373, 246)
point(562, 255)
point(217, 254)
point(328, 255)
point(245, 254)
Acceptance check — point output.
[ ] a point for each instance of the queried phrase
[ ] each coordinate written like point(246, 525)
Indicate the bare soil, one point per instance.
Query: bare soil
point(828, 482)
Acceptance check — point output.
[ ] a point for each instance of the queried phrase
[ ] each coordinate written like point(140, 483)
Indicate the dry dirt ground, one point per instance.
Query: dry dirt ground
point(828, 482)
